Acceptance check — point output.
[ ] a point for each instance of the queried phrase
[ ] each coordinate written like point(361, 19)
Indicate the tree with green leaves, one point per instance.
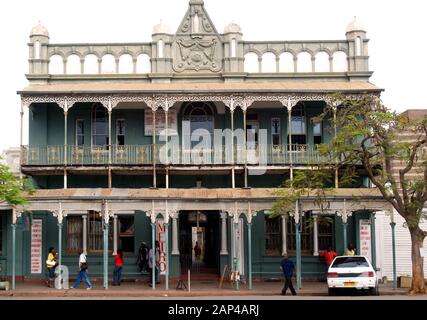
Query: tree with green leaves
point(13, 190)
point(390, 148)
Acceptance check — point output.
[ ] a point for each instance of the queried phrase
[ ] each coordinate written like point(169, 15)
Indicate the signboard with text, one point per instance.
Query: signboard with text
point(365, 238)
point(160, 236)
point(160, 122)
point(36, 246)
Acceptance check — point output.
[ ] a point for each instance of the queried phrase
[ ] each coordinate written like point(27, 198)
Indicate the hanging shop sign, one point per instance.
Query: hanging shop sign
point(160, 122)
point(365, 238)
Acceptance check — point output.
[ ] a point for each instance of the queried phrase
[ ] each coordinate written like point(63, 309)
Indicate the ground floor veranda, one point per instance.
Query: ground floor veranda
point(229, 223)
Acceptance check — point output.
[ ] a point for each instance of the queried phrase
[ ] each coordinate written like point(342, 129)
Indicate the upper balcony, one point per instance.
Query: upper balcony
point(142, 156)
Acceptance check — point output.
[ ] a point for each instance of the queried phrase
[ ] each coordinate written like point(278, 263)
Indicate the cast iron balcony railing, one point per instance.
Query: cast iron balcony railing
point(140, 155)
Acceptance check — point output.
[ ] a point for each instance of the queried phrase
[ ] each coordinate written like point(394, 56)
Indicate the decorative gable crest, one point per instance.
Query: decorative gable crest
point(197, 44)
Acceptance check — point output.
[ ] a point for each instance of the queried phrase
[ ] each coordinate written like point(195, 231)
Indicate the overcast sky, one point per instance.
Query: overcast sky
point(396, 29)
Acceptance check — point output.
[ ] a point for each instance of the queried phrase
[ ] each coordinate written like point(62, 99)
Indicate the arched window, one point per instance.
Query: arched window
point(322, 62)
point(304, 62)
point(126, 64)
point(199, 116)
point(99, 125)
point(340, 63)
point(91, 64)
point(37, 48)
point(298, 127)
point(143, 64)
point(56, 64)
point(108, 64)
point(251, 62)
point(268, 62)
point(286, 63)
point(73, 64)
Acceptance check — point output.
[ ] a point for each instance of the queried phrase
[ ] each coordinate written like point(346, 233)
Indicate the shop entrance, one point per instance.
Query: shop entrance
point(199, 244)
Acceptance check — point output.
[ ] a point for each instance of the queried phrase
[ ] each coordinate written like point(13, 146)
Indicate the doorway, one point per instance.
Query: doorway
point(199, 244)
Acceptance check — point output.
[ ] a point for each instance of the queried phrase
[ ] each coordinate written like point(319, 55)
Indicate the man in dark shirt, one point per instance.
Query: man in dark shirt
point(287, 267)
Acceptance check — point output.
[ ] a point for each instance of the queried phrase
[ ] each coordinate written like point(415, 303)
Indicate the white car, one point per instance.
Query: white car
point(352, 272)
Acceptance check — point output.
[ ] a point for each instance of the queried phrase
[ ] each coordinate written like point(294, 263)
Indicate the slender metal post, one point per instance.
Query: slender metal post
point(167, 147)
point(21, 137)
point(105, 255)
point(167, 255)
point(13, 256)
point(336, 160)
point(246, 147)
point(250, 254)
point(153, 248)
point(298, 249)
point(154, 151)
point(373, 242)
point(344, 226)
point(393, 246)
point(60, 253)
point(236, 257)
point(233, 177)
point(65, 146)
point(290, 140)
point(110, 182)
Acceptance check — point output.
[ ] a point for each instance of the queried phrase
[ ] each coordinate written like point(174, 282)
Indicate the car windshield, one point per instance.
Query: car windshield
point(350, 262)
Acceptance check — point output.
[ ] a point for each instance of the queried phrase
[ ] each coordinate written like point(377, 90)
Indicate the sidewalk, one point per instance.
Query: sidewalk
point(198, 289)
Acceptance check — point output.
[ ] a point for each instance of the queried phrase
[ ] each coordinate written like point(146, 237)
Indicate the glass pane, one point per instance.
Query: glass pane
point(126, 233)
point(80, 127)
point(298, 125)
point(74, 234)
point(317, 129)
point(121, 140)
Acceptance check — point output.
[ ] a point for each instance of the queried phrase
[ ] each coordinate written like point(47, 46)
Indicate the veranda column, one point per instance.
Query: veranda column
point(154, 151)
point(110, 144)
point(249, 217)
point(233, 177)
point(153, 245)
point(236, 249)
point(315, 236)
point(65, 143)
point(335, 135)
point(393, 247)
point(106, 219)
point(60, 214)
point(289, 104)
point(344, 216)
point(373, 240)
point(245, 146)
point(167, 143)
point(84, 217)
point(175, 250)
point(115, 235)
point(21, 137)
point(166, 225)
point(224, 250)
point(298, 243)
point(14, 219)
point(284, 235)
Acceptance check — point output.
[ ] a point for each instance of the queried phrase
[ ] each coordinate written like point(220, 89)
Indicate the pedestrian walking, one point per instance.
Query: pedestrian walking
point(142, 260)
point(118, 266)
point(51, 264)
point(287, 267)
point(82, 275)
point(154, 263)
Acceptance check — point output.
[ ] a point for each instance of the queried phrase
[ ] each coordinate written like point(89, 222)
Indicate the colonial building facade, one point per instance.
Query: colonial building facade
point(184, 139)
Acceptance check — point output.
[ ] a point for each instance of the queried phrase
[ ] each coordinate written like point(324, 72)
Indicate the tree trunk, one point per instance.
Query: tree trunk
point(417, 239)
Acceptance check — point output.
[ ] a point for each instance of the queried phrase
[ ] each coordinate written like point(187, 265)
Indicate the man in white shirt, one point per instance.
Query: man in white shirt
point(82, 273)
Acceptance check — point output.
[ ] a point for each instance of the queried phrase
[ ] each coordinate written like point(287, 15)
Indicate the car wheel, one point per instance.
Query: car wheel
point(374, 291)
point(331, 292)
